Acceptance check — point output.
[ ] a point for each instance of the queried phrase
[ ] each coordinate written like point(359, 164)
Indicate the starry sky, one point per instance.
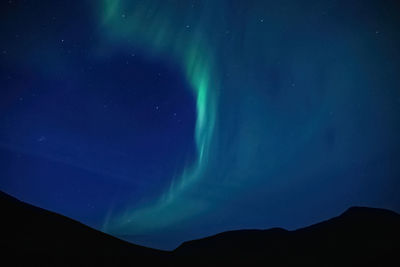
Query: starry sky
point(161, 121)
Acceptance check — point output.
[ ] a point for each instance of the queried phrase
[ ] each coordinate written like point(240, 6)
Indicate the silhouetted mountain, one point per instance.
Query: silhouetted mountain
point(359, 237)
point(32, 236)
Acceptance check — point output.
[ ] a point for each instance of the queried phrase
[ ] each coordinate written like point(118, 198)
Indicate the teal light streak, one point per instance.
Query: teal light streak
point(148, 25)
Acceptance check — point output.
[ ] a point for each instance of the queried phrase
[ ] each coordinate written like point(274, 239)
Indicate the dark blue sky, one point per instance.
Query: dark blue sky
point(163, 121)
point(81, 133)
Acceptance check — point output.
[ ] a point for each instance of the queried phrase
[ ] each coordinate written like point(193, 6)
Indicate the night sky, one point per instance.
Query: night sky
point(164, 121)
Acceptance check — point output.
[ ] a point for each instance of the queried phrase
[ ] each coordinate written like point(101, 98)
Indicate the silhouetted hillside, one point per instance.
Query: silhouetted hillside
point(32, 236)
point(358, 237)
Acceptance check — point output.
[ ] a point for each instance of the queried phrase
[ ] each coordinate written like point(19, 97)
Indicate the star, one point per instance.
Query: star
point(41, 139)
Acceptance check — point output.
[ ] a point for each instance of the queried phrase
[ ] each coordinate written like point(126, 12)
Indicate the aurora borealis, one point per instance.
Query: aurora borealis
point(164, 121)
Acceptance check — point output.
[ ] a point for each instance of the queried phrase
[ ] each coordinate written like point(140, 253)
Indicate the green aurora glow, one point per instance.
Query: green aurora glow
point(136, 22)
point(271, 80)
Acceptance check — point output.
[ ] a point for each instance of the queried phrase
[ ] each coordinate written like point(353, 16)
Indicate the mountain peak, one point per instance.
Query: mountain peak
point(360, 236)
point(359, 211)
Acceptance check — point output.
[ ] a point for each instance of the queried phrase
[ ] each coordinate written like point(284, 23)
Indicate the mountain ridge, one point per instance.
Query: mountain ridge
point(360, 236)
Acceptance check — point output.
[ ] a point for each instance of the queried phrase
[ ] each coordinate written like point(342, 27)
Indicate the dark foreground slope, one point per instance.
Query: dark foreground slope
point(358, 237)
point(32, 236)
